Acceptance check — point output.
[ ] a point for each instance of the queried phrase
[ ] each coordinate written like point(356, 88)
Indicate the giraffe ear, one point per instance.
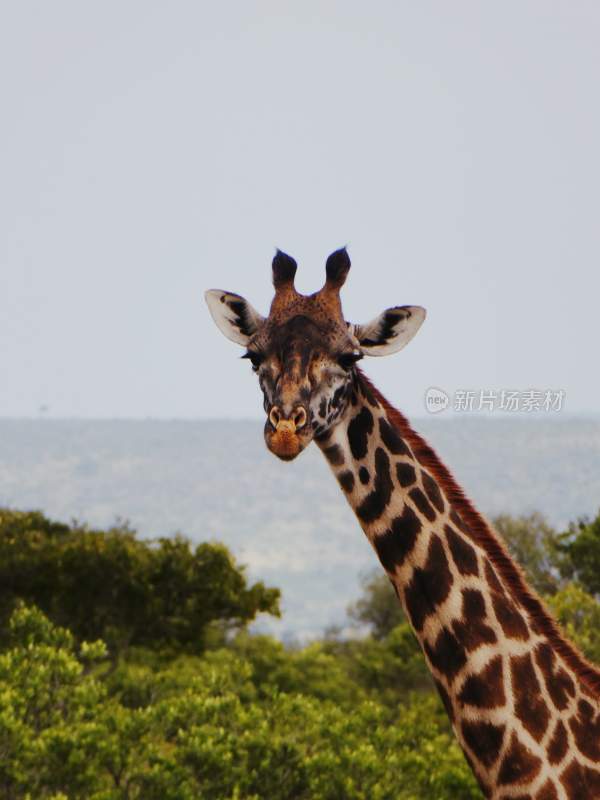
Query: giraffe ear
point(233, 315)
point(390, 331)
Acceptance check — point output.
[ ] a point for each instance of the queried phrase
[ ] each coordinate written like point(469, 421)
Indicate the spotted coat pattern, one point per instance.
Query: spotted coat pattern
point(528, 724)
point(524, 704)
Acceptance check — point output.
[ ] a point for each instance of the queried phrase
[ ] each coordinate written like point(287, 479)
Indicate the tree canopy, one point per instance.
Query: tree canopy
point(126, 591)
point(579, 549)
point(166, 695)
point(201, 728)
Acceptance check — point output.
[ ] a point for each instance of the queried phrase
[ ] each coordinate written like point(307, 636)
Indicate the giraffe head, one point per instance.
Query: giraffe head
point(304, 352)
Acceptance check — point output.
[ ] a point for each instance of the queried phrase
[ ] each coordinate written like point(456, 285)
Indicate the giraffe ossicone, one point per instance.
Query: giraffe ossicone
point(523, 702)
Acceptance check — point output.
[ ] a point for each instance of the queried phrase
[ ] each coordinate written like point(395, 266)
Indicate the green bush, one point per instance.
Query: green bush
point(579, 549)
point(199, 727)
point(128, 592)
point(183, 703)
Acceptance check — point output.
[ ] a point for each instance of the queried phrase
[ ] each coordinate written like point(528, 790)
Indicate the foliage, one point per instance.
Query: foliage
point(378, 607)
point(579, 548)
point(174, 709)
point(312, 670)
point(532, 542)
point(128, 592)
point(386, 668)
point(579, 614)
point(47, 708)
point(202, 729)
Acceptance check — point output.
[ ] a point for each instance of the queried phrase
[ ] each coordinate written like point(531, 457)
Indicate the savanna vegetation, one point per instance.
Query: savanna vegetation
point(127, 671)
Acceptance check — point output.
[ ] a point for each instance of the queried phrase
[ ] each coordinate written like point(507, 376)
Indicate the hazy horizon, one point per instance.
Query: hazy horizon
point(166, 476)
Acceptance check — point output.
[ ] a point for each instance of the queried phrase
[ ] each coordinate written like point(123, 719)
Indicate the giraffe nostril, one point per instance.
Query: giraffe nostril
point(299, 417)
point(274, 416)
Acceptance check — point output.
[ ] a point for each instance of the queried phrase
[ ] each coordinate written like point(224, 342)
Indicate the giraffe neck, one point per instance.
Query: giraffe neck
point(524, 705)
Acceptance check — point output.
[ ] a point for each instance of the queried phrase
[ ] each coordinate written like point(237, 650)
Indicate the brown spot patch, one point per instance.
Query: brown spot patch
point(405, 473)
point(581, 783)
point(530, 708)
point(363, 474)
point(321, 436)
point(559, 742)
point(422, 503)
point(432, 490)
point(334, 454)
point(368, 393)
point(485, 689)
point(559, 684)
point(463, 554)
point(471, 630)
point(585, 689)
point(519, 765)
point(484, 740)
point(346, 480)
point(585, 727)
point(430, 585)
point(547, 792)
point(375, 503)
point(447, 655)
point(510, 619)
point(396, 543)
point(458, 521)
point(392, 439)
point(359, 430)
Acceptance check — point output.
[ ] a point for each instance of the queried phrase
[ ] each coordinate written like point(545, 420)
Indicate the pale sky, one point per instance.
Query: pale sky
point(149, 151)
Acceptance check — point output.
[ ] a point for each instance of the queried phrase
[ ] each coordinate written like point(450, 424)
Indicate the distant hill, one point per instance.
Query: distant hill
point(288, 522)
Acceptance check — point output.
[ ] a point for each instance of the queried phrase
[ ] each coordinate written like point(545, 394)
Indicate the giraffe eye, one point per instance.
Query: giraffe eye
point(348, 360)
point(255, 359)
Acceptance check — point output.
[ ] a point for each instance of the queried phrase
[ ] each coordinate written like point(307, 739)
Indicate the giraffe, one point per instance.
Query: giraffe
point(523, 702)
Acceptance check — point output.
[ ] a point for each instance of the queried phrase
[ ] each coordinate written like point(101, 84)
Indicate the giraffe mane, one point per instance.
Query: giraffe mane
point(495, 548)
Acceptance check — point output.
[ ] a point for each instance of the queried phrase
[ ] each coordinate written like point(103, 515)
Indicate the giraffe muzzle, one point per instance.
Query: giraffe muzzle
point(286, 436)
point(295, 421)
